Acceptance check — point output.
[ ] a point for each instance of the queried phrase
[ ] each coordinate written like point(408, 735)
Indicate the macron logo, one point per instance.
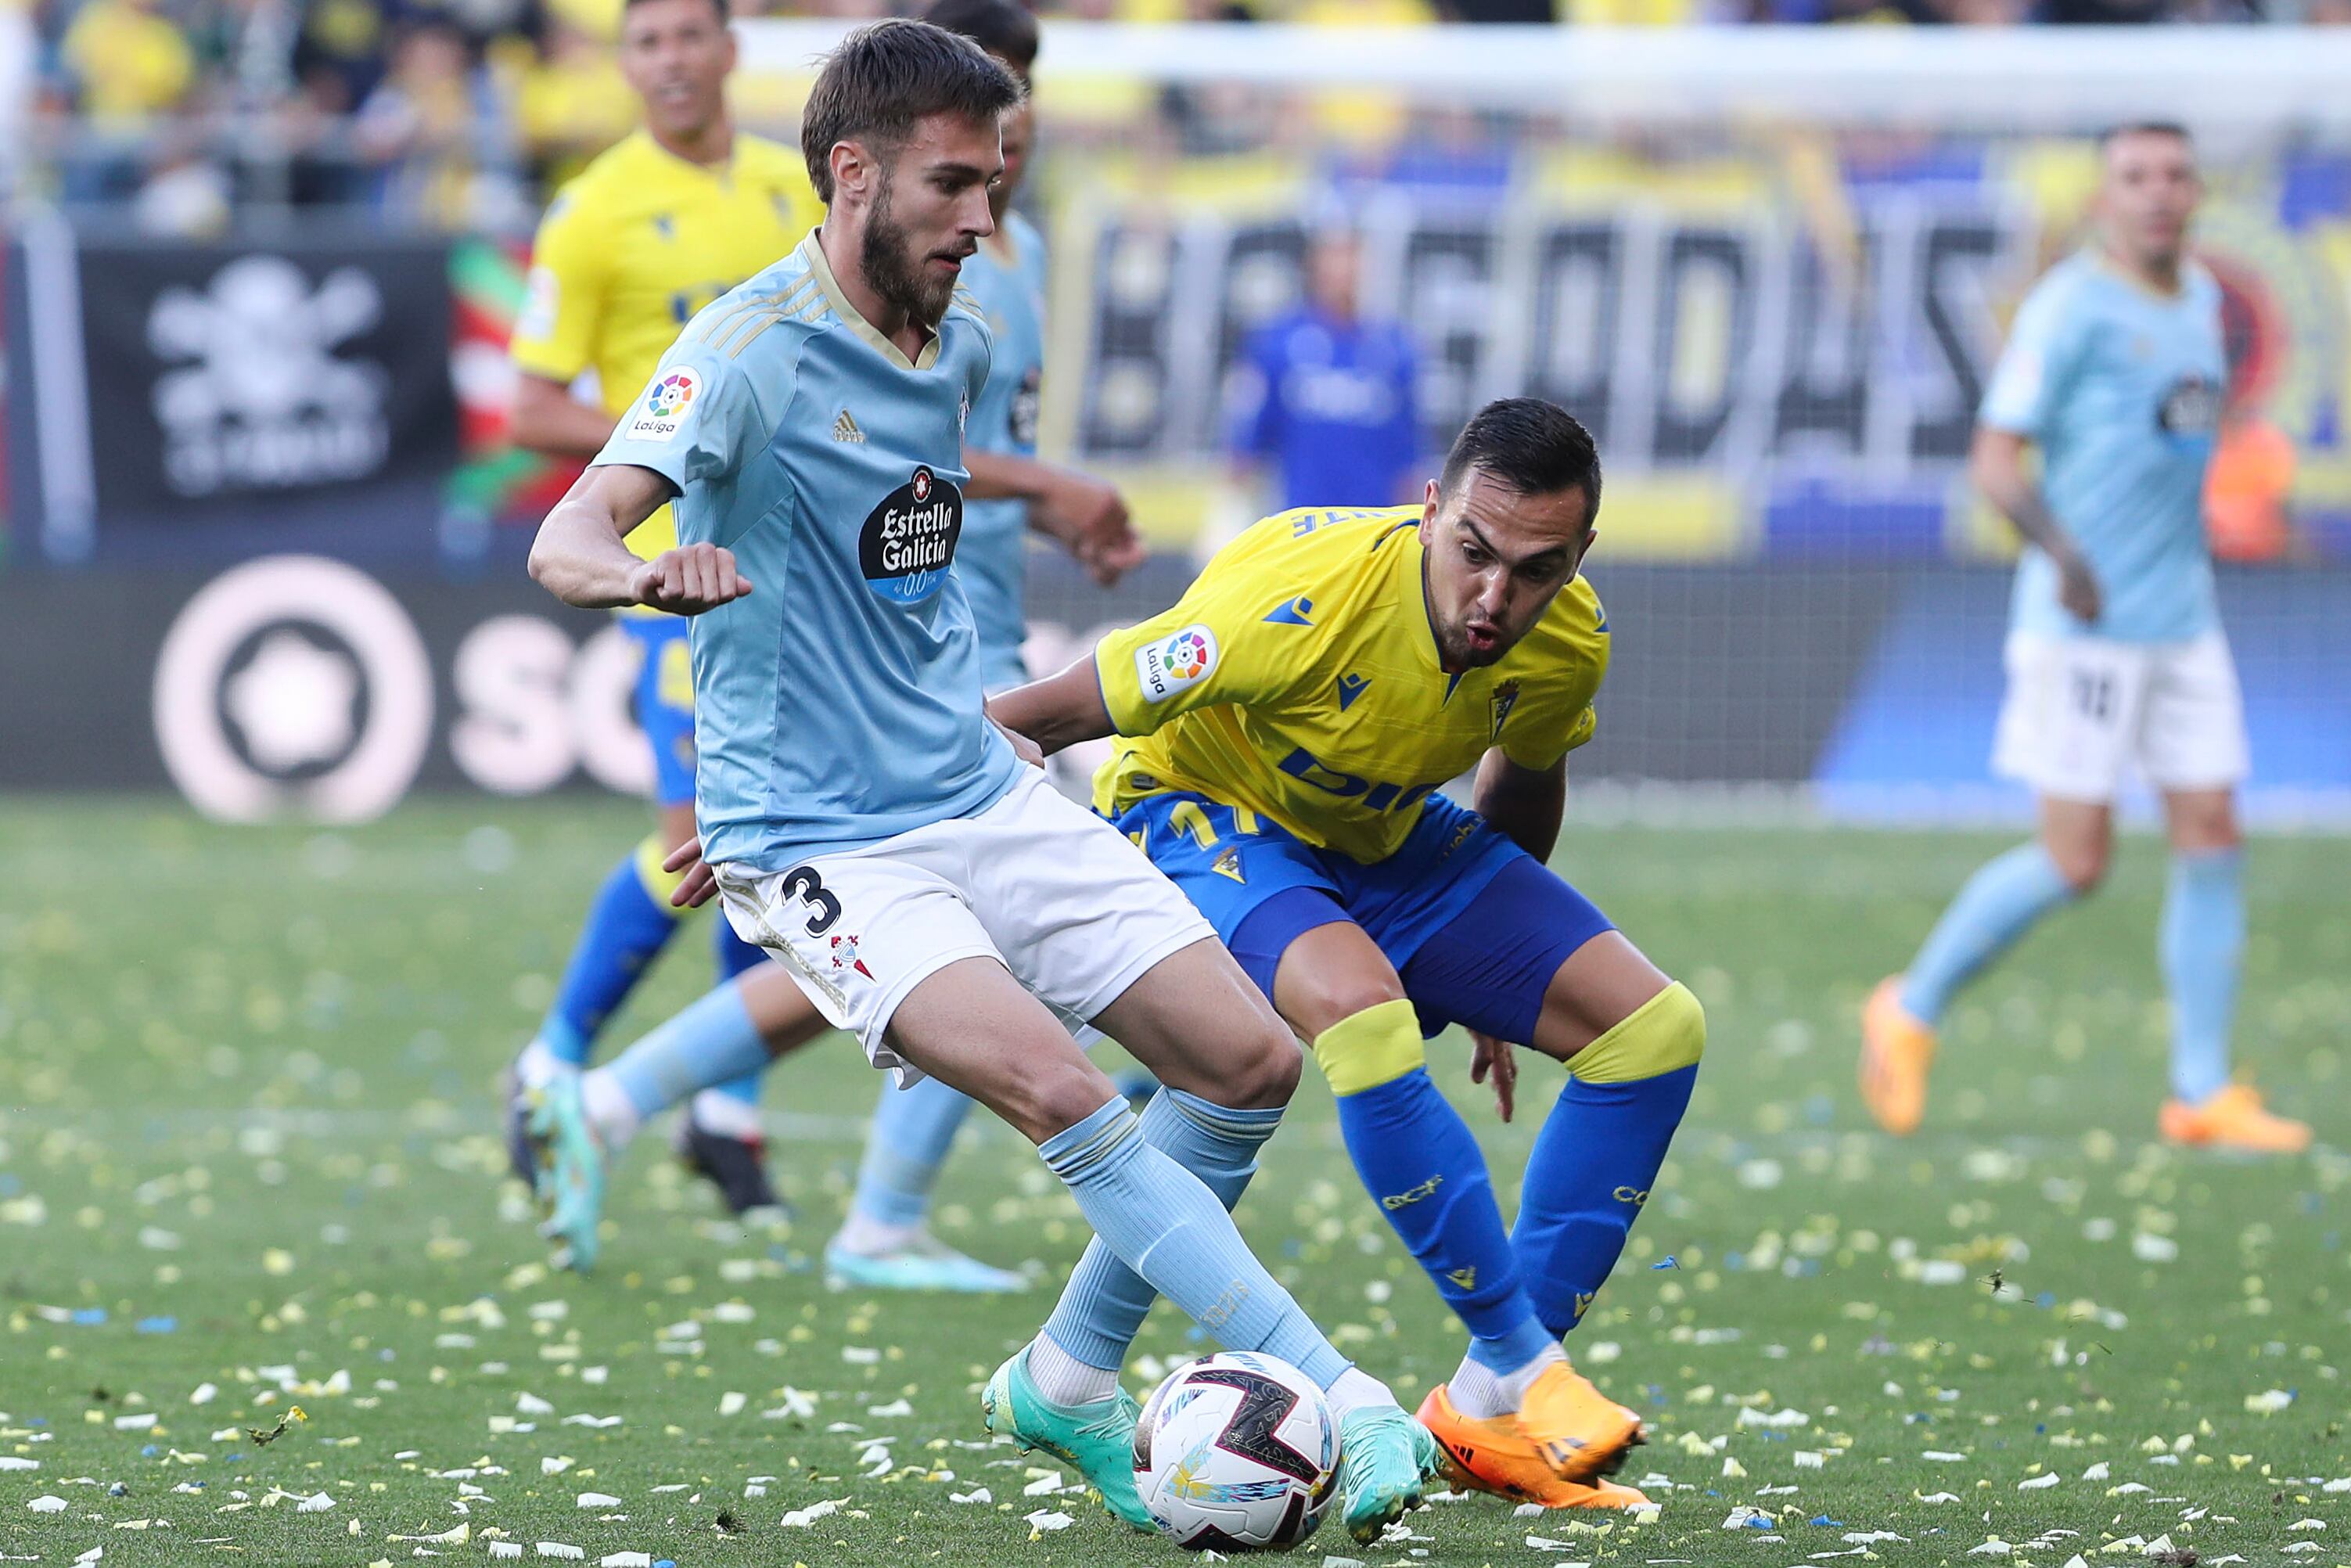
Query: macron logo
point(1351, 686)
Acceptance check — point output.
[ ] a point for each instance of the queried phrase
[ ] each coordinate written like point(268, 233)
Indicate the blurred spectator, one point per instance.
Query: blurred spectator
point(1324, 396)
point(339, 52)
point(187, 195)
point(126, 63)
point(431, 136)
point(571, 106)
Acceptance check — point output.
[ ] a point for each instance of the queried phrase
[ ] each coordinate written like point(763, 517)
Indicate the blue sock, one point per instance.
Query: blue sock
point(913, 1129)
point(1420, 1160)
point(1163, 1223)
point(2202, 943)
point(1593, 1166)
point(1998, 906)
point(709, 1043)
point(1103, 1308)
point(628, 926)
point(1600, 1150)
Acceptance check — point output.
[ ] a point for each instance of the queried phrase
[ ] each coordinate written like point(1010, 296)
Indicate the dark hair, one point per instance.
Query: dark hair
point(2114, 133)
point(718, 5)
point(885, 77)
point(1005, 29)
point(1528, 445)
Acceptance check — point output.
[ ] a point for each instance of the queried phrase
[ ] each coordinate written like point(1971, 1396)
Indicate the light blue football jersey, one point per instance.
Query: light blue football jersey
point(2121, 390)
point(839, 703)
point(992, 561)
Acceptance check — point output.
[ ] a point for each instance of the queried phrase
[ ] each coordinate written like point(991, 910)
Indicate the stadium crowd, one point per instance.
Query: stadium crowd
point(462, 113)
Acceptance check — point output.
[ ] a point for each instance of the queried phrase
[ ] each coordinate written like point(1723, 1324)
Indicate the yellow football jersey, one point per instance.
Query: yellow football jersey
point(637, 243)
point(1298, 677)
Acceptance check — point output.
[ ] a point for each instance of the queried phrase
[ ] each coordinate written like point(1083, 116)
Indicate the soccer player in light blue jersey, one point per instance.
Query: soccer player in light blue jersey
point(885, 1242)
point(2115, 656)
point(862, 820)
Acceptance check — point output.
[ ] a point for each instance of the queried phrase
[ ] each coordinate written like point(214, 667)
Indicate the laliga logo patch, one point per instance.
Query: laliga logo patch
point(1168, 666)
point(909, 540)
point(662, 413)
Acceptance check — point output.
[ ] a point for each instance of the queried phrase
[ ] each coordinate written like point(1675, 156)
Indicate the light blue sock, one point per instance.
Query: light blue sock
point(1163, 1223)
point(733, 955)
point(2202, 943)
point(1998, 906)
point(913, 1129)
point(1103, 1308)
point(709, 1043)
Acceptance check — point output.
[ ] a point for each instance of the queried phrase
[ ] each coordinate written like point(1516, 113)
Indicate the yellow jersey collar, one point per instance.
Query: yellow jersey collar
point(814, 253)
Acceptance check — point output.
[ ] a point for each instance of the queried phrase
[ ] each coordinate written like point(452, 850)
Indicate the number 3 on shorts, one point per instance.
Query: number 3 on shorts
point(803, 884)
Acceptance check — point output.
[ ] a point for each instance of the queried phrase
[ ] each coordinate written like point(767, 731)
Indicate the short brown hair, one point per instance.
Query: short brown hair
point(884, 78)
point(1007, 30)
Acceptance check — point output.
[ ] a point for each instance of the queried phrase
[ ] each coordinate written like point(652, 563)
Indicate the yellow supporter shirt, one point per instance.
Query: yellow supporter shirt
point(634, 246)
point(1298, 677)
point(131, 63)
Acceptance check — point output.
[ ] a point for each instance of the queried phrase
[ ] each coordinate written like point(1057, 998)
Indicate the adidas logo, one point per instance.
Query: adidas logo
point(845, 429)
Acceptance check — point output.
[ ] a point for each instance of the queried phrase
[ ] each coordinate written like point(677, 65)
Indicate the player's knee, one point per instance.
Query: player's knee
point(1046, 1098)
point(1264, 1075)
point(1664, 1034)
point(1376, 1045)
point(1321, 1001)
point(2083, 866)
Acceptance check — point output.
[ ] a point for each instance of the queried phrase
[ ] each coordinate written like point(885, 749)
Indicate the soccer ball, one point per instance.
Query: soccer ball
point(1237, 1451)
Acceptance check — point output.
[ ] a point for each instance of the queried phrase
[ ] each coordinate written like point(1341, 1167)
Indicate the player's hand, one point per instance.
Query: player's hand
point(1498, 1058)
point(1091, 519)
point(2077, 588)
point(1027, 751)
point(700, 881)
point(688, 580)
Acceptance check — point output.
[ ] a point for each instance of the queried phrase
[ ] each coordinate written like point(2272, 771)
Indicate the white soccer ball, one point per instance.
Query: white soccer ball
point(1237, 1452)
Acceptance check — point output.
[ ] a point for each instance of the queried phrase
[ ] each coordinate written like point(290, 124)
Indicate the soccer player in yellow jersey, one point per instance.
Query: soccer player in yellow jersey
point(1282, 732)
point(652, 231)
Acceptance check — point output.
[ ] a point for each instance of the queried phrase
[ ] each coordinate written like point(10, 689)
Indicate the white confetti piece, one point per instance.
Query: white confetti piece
point(506, 1548)
point(1744, 1517)
point(92, 1555)
point(731, 1403)
point(1811, 1460)
point(2037, 1483)
point(1342, 1562)
point(895, 1408)
point(802, 1518)
point(860, 1354)
point(557, 1549)
point(2299, 1547)
point(599, 1499)
point(976, 1494)
point(1044, 1519)
point(1937, 1496)
point(733, 1313)
point(754, 1489)
point(11, 1462)
point(2149, 1247)
point(2307, 1524)
point(625, 1559)
point(1043, 1486)
point(1995, 1547)
point(138, 1423)
point(2269, 1402)
point(205, 1393)
point(457, 1537)
point(1749, 1416)
point(1942, 1272)
point(317, 1502)
point(528, 1403)
point(796, 1405)
point(47, 1505)
point(1942, 1456)
point(2157, 1547)
point(2076, 1561)
point(551, 1464)
point(1545, 1543)
point(597, 1421)
point(2096, 1472)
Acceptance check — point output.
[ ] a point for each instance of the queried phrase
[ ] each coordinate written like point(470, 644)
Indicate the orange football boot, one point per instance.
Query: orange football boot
point(2236, 1119)
point(1897, 1051)
point(1495, 1455)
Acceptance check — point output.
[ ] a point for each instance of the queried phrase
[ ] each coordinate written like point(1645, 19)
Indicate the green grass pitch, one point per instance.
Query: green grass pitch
point(248, 1161)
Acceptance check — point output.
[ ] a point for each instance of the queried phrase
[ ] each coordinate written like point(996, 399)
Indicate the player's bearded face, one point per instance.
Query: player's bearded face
point(1492, 561)
point(929, 212)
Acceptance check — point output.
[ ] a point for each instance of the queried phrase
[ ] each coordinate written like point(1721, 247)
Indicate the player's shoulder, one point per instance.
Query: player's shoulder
point(612, 179)
point(1317, 546)
point(768, 159)
point(766, 319)
point(2075, 285)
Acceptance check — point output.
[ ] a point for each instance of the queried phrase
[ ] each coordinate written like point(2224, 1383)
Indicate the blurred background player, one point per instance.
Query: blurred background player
point(885, 1242)
point(2115, 655)
point(1283, 728)
point(656, 227)
point(1323, 408)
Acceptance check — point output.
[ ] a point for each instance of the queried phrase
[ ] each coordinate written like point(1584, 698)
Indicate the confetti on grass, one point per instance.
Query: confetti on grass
point(262, 1440)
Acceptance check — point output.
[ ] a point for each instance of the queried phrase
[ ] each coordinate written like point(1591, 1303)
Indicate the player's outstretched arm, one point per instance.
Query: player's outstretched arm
point(1056, 712)
point(1996, 463)
point(581, 555)
point(1087, 515)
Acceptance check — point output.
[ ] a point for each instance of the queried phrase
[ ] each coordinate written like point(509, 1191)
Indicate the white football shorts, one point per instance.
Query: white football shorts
point(1035, 882)
point(2081, 711)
